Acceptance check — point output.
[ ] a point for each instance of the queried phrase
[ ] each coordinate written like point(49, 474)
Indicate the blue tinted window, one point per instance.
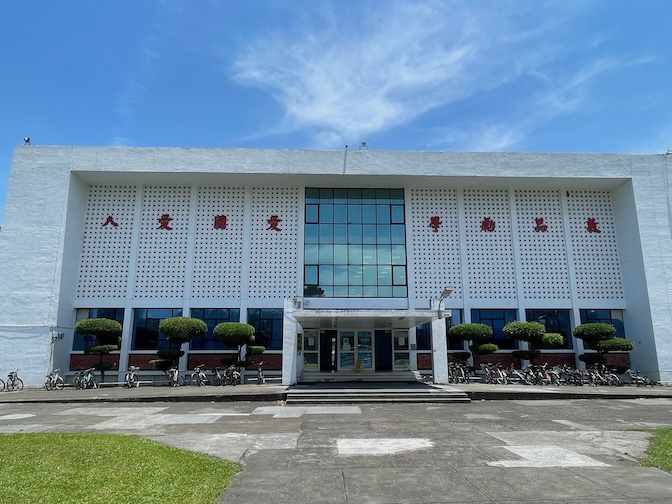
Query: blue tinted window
point(146, 335)
point(212, 317)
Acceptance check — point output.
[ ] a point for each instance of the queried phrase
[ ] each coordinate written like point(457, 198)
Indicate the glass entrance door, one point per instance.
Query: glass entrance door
point(355, 350)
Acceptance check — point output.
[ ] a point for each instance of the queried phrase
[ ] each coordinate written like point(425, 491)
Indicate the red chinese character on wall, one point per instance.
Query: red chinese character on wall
point(273, 223)
point(164, 222)
point(488, 225)
point(540, 225)
point(110, 220)
point(435, 223)
point(220, 221)
point(592, 225)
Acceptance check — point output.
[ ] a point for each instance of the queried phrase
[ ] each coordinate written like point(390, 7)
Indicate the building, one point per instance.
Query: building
point(338, 258)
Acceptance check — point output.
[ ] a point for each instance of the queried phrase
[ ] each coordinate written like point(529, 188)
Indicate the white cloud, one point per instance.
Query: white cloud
point(342, 78)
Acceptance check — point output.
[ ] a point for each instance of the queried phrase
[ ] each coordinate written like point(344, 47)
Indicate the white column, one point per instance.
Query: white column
point(289, 344)
point(439, 346)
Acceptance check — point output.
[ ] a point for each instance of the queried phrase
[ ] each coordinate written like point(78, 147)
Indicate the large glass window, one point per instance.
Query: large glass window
point(454, 319)
point(146, 335)
point(555, 321)
point(267, 325)
point(82, 341)
point(212, 317)
point(355, 243)
point(496, 319)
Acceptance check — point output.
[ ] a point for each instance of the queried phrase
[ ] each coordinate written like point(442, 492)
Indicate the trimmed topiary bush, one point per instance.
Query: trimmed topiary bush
point(235, 334)
point(594, 332)
point(471, 332)
point(525, 331)
point(590, 359)
point(178, 330)
point(614, 345)
point(484, 349)
point(181, 330)
point(552, 340)
point(534, 333)
point(600, 337)
point(461, 356)
point(107, 333)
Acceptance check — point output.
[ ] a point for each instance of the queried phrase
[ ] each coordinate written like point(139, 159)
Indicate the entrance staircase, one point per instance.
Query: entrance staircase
point(378, 387)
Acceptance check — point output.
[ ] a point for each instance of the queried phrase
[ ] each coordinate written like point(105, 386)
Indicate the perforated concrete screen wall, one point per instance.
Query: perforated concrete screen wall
point(274, 253)
point(218, 249)
point(106, 243)
point(490, 263)
point(436, 248)
point(162, 242)
point(541, 242)
point(594, 246)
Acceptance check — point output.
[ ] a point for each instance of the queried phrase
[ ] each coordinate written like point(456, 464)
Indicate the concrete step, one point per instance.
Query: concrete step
point(308, 377)
point(317, 395)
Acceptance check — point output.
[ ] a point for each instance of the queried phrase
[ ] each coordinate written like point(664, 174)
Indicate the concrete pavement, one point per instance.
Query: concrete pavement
point(554, 450)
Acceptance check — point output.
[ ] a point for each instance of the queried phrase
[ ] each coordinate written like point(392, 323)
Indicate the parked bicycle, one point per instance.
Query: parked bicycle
point(231, 376)
point(198, 377)
point(640, 380)
point(14, 383)
point(85, 379)
point(260, 373)
point(175, 379)
point(131, 378)
point(218, 377)
point(53, 381)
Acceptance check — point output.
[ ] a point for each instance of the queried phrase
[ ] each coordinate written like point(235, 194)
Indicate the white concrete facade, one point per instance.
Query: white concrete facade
point(56, 194)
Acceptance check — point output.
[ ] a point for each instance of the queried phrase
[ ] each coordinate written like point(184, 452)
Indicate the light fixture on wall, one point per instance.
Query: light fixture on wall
point(446, 293)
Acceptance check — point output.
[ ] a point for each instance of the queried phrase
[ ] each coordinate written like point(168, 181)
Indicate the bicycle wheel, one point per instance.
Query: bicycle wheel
point(195, 379)
point(59, 383)
point(129, 380)
point(216, 381)
point(2, 385)
point(18, 384)
point(180, 380)
point(48, 383)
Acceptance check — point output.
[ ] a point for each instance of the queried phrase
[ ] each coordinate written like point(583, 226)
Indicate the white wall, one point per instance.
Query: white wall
point(38, 251)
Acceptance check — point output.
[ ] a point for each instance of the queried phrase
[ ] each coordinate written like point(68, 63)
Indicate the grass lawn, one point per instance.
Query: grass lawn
point(104, 468)
point(660, 450)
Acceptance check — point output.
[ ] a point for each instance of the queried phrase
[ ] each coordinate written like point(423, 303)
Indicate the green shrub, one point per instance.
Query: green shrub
point(594, 332)
point(107, 333)
point(461, 356)
point(171, 354)
point(525, 331)
point(614, 345)
point(181, 330)
point(103, 328)
point(471, 332)
point(235, 334)
point(592, 358)
point(549, 340)
point(484, 349)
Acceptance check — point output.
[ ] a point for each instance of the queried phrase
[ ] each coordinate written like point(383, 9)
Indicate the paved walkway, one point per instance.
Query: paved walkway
point(268, 392)
point(553, 450)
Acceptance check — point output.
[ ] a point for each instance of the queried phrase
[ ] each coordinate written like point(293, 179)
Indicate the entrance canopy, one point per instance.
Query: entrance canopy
point(365, 319)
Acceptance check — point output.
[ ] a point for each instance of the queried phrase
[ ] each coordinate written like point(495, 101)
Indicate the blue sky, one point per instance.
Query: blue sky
point(473, 75)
